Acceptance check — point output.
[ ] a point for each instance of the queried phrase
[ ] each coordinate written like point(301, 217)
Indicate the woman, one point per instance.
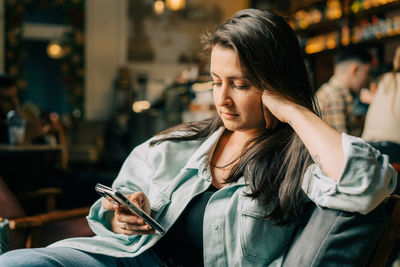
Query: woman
point(228, 190)
point(384, 134)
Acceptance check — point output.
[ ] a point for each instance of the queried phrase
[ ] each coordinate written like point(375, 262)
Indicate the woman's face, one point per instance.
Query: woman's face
point(237, 101)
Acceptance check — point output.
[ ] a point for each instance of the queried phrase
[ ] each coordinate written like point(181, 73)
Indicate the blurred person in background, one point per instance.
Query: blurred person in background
point(367, 94)
point(9, 100)
point(336, 97)
point(382, 123)
point(44, 129)
point(363, 100)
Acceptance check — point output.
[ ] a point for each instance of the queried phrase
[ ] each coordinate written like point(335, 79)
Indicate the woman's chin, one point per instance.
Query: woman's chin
point(231, 126)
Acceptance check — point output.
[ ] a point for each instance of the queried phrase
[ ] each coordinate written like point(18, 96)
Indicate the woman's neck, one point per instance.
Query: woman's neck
point(227, 154)
point(239, 138)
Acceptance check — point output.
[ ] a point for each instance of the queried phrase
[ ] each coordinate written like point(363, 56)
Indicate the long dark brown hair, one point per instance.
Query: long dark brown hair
point(274, 162)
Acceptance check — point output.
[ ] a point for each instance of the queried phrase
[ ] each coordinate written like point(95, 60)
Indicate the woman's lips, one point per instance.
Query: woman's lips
point(229, 116)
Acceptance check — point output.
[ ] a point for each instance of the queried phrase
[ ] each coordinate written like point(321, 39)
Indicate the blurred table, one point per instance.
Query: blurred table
point(6, 149)
point(28, 167)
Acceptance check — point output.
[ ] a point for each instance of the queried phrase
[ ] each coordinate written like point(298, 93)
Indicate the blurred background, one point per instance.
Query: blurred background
point(117, 72)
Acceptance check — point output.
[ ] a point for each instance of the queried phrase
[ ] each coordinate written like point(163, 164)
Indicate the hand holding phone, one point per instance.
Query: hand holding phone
point(125, 204)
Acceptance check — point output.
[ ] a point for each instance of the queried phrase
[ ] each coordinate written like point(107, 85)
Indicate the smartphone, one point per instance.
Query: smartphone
point(118, 198)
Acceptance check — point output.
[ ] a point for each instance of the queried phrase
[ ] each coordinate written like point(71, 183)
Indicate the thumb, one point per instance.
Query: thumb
point(265, 97)
point(137, 198)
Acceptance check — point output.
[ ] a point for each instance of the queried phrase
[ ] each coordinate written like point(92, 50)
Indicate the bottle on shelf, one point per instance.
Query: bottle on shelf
point(16, 127)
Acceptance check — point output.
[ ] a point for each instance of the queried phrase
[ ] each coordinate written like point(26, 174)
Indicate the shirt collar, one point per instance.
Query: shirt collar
point(338, 85)
point(334, 82)
point(200, 156)
point(204, 150)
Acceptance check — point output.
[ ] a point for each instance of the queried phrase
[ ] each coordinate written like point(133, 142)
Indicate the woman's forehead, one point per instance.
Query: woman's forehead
point(225, 61)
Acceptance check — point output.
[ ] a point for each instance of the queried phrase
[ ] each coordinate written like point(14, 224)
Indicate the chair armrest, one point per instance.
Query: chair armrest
point(328, 237)
point(41, 192)
point(49, 194)
point(389, 236)
point(396, 166)
point(41, 219)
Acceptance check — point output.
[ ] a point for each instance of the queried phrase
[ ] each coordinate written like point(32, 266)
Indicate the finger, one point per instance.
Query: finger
point(122, 216)
point(134, 227)
point(138, 198)
point(265, 97)
point(139, 232)
point(108, 204)
point(130, 229)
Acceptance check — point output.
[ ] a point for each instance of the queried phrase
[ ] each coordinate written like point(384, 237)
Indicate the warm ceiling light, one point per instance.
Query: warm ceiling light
point(175, 4)
point(140, 106)
point(198, 87)
point(159, 7)
point(55, 50)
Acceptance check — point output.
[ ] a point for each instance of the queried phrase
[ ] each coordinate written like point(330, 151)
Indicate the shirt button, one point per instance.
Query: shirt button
point(216, 227)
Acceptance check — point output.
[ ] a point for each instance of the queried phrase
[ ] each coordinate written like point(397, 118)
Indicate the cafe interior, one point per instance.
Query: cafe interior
point(104, 76)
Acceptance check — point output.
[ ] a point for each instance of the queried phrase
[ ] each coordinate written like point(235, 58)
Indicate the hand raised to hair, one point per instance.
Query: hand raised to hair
point(276, 108)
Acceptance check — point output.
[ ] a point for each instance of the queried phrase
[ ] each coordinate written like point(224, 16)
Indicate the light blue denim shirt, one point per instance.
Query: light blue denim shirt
point(234, 230)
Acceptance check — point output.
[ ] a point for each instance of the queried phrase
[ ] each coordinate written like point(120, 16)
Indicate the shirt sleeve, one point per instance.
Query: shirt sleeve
point(366, 180)
point(136, 172)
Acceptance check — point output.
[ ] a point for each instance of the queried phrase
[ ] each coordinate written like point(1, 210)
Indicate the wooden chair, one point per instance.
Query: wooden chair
point(42, 229)
point(391, 233)
point(396, 166)
point(327, 237)
point(389, 236)
point(45, 198)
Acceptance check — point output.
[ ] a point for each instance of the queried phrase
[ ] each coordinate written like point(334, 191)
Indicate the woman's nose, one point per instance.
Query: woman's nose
point(223, 97)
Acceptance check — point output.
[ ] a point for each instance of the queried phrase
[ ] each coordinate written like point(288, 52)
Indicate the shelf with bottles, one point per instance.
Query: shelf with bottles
point(319, 43)
point(317, 16)
point(375, 29)
point(361, 27)
point(360, 8)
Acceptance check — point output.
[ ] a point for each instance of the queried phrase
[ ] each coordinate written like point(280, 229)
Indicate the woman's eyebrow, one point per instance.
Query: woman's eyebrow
point(213, 74)
point(232, 77)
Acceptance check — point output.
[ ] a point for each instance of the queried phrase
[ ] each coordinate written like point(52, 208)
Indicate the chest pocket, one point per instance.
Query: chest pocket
point(260, 240)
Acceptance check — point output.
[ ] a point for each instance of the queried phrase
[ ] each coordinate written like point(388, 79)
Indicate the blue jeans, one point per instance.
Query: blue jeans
point(69, 257)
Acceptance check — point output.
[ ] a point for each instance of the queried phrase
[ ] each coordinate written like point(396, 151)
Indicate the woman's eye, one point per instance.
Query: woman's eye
point(240, 86)
point(216, 84)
